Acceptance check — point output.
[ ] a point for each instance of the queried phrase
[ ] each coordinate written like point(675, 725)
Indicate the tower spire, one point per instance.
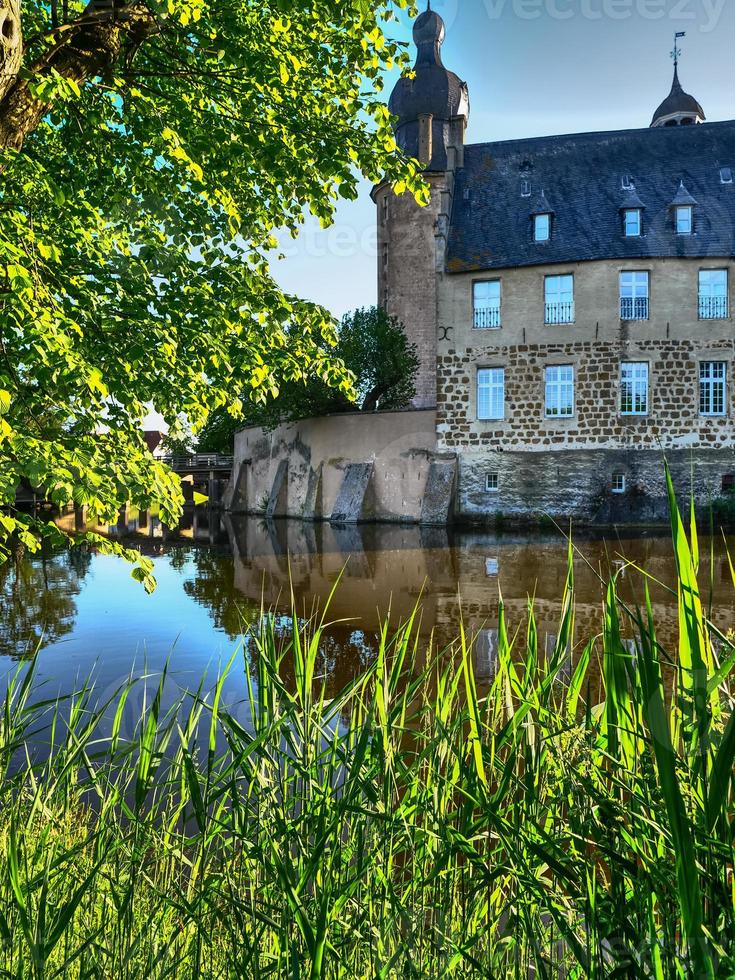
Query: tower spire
point(679, 108)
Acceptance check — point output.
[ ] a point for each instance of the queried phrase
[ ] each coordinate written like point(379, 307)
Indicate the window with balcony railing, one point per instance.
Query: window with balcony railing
point(713, 308)
point(559, 299)
point(634, 293)
point(487, 318)
point(634, 309)
point(486, 300)
point(713, 294)
point(559, 313)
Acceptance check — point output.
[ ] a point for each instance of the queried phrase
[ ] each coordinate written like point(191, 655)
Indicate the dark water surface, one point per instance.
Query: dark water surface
point(89, 617)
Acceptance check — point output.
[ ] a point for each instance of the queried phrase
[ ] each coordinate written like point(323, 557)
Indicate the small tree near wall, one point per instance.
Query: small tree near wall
point(371, 345)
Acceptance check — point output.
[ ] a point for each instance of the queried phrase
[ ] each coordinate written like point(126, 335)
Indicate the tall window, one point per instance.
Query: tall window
point(633, 388)
point(559, 392)
point(559, 299)
point(634, 296)
point(486, 300)
point(632, 223)
point(684, 220)
point(713, 388)
point(542, 227)
point(713, 300)
point(491, 393)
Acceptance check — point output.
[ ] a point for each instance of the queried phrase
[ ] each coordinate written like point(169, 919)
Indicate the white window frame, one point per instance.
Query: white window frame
point(542, 227)
point(711, 290)
point(558, 380)
point(487, 308)
point(637, 225)
point(713, 388)
point(559, 299)
point(640, 289)
point(492, 381)
point(619, 483)
point(684, 219)
point(492, 482)
point(636, 374)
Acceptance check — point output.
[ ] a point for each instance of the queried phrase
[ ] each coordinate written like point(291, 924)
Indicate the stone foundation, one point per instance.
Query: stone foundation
point(578, 484)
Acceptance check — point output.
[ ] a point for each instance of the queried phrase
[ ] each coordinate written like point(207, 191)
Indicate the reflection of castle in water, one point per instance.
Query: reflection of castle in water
point(389, 569)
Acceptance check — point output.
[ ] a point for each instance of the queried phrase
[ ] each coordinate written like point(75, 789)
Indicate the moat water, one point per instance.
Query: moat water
point(87, 617)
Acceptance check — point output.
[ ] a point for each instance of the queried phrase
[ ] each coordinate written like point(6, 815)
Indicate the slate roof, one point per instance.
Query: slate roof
point(683, 198)
point(630, 200)
point(583, 175)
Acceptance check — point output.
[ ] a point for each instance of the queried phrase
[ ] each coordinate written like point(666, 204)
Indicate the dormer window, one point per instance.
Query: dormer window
point(633, 222)
point(542, 227)
point(683, 208)
point(684, 219)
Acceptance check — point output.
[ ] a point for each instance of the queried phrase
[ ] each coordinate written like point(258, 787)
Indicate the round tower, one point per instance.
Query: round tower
point(431, 112)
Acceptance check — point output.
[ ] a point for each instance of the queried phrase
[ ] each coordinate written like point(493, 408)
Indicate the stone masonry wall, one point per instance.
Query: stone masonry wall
point(673, 420)
point(407, 273)
point(565, 467)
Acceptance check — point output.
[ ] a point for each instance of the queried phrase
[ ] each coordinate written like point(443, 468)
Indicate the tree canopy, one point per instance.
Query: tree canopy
point(375, 350)
point(148, 151)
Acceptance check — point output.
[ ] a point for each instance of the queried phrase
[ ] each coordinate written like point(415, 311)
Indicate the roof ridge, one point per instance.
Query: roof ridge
point(606, 132)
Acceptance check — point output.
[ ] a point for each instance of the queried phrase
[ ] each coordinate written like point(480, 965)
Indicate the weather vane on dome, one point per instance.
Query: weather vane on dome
point(676, 53)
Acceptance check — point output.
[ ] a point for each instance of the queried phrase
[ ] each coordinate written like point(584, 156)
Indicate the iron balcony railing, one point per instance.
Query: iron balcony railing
point(713, 308)
point(559, 313)
point(634, 309)
point(487, 318)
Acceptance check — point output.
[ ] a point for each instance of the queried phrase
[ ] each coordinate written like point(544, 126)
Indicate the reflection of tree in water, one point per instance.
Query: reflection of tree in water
point(343, 653)
point(213, 587)
point(178, 558)
point(37, 604)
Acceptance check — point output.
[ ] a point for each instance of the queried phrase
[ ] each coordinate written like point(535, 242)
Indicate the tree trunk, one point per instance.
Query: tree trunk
point(11, 44)
point(372, 399)
point(89, 46)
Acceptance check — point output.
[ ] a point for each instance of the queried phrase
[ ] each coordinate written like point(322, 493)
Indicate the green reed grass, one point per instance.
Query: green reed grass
point(413, 825)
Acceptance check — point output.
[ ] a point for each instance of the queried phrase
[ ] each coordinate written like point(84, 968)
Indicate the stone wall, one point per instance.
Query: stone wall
point(578, 483)
point(564, 467)
point(407, 270)
point(300, 469)
point(673, 420)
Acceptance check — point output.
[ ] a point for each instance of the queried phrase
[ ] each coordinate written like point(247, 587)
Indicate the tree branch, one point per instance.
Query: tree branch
point(88, 47)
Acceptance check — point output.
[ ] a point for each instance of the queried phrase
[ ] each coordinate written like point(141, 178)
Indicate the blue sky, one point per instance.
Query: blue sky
point(534, 68)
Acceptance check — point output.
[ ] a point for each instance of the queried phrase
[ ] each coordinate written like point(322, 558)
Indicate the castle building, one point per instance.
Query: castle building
point(570, 298)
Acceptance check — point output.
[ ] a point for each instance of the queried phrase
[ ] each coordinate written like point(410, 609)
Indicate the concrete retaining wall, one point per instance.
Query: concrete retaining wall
point(307, 469)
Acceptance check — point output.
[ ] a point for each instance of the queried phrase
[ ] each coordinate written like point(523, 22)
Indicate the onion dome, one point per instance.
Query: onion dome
point(434, 93)
point(678, 108)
